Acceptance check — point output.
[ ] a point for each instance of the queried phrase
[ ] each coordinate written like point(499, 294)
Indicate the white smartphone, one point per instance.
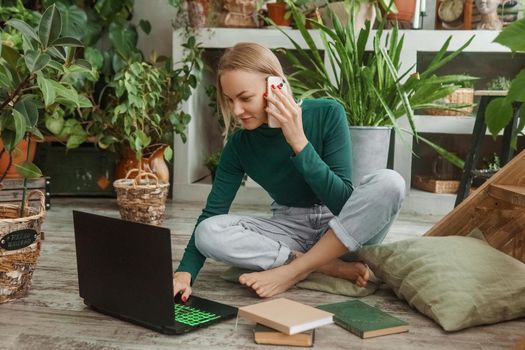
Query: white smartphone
point(276, 81)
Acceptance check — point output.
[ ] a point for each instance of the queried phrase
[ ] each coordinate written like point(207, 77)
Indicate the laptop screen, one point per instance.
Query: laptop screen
point(125, 268)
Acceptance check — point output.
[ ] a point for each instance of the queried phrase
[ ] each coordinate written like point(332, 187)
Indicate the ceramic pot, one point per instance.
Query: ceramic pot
point(276, 12)
point(18, 156)
point(406, 10)
point(152, 161)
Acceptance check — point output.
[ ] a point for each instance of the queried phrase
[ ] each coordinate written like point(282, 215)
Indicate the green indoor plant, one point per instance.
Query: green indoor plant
point(148, 100)
point(369, 85)
point(499, 111)
point(499, 83)
point(34, 78)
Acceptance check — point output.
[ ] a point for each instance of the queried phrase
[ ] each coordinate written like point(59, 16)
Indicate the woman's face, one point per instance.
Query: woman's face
point(487, 6)
point(244, 90)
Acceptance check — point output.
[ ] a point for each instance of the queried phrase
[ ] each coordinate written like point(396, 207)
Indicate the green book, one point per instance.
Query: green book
point(364, 320)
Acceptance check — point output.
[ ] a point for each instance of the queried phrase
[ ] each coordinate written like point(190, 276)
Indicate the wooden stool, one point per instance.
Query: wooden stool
point(478, 134)
point(497, 208)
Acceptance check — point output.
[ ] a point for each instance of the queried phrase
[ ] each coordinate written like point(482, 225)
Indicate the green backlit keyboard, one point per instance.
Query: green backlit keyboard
point(192, 316)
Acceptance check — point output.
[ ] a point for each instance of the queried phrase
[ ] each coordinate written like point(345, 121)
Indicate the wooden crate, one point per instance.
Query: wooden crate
point(11, 191)
point(83, 171)
point(430, 184)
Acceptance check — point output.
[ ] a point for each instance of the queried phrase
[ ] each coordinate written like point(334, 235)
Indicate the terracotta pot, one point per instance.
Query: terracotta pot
point(276, 12)
point(152, 161)
point(406, 10)
point(18, 156)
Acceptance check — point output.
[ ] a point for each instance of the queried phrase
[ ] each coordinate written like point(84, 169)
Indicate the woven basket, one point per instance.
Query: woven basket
point(142, 199)
point(17, 265)
point(429, 184)
point(460, 96)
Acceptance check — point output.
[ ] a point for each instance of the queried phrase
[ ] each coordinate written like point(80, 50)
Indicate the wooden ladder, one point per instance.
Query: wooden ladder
point(497, 208)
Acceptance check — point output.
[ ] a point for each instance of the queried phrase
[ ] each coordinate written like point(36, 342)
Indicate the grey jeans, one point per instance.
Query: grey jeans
point(259, 243)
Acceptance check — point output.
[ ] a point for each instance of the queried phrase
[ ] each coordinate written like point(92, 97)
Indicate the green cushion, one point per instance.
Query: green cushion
point(459, 282)
point(317, 281)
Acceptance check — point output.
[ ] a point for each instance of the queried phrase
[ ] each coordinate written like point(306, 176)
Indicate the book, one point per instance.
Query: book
point(286, 316)
point(364, 320)
point(269, 336)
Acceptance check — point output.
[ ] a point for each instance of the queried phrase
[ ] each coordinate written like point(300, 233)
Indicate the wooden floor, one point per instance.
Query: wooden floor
point(54, 317)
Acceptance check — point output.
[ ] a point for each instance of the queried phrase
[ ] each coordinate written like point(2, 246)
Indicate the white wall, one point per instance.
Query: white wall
point(160, 14)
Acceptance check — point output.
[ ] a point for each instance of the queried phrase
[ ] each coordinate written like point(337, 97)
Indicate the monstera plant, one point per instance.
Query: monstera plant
point(36, 79)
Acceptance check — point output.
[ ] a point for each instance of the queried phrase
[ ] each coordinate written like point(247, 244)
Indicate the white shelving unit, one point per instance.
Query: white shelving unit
point(189, 157)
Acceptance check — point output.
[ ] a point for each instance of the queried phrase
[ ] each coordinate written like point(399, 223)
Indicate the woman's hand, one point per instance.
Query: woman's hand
point(287, 112)
point(182, 284)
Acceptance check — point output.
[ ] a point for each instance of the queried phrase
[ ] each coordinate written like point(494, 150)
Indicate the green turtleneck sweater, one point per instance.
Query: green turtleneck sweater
point(319, 174)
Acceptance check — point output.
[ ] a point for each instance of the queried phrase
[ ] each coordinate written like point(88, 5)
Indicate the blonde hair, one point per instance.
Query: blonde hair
point(250, 57)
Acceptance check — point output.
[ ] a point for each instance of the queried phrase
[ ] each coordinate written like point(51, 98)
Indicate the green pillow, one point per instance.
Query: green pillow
point(457, 281)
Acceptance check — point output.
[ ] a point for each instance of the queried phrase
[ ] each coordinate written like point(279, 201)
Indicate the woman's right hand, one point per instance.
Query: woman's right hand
point(182, 284)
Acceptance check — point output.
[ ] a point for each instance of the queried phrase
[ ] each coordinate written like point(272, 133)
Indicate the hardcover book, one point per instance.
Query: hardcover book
point(286, 316)
point(269, 336)
point(364, 320)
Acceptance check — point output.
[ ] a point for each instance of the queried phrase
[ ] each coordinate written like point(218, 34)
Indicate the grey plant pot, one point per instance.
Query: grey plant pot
point(370, 150)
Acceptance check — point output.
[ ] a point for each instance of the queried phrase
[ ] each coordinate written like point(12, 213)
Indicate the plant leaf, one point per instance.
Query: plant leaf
point(145, 26)
point(36, 61)
point(20, 126)
point(517, 88)
point(24, 28)
point(47, 90)
point(67, 41)
point(75, 140)
point(50, 26)
point(28, 109)
point(54, 123)
point(74, 20)
point(6, 80)
point(10, 55)
point(123, 38)
point(68, 93)
point(94, 57)
point(497, 115)
point(28, 170)
point(168, 153)
point(512, 36)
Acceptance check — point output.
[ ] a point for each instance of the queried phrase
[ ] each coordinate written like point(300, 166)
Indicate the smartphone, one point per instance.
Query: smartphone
point(276, 81)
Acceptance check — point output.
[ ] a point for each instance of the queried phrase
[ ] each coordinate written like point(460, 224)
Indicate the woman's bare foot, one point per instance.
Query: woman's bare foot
point(356, 272)
point(271, 282)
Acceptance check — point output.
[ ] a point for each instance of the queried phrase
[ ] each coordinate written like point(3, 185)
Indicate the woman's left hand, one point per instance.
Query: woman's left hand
point(288, 113)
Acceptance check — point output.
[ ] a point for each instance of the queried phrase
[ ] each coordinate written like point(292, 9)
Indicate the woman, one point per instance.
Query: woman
point(305, 165)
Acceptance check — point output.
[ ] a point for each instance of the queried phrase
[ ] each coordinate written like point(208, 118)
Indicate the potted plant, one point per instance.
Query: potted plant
point(500, 83)
point(150, 95)
point(458, 102)
point(362, 10)
point(277, 12)
point(33, 79)
point(500, 110)
point(369, 85)
point(491, 166)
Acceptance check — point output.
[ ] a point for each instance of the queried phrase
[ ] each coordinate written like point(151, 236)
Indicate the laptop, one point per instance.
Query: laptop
point(125, 270)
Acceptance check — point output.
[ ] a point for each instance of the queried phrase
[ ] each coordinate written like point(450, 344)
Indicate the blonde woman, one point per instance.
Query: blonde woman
point(305, 166)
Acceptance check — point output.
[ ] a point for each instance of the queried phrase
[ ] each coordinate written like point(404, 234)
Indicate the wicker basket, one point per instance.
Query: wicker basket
point(142, 199)
point(460, 96)
point(429, 184)
point(20, 245)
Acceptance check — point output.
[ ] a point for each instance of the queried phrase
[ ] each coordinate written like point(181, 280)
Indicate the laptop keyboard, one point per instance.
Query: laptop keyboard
point(192, 316)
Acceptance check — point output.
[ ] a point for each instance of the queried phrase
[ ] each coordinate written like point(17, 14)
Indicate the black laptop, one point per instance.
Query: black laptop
point(125, 270)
